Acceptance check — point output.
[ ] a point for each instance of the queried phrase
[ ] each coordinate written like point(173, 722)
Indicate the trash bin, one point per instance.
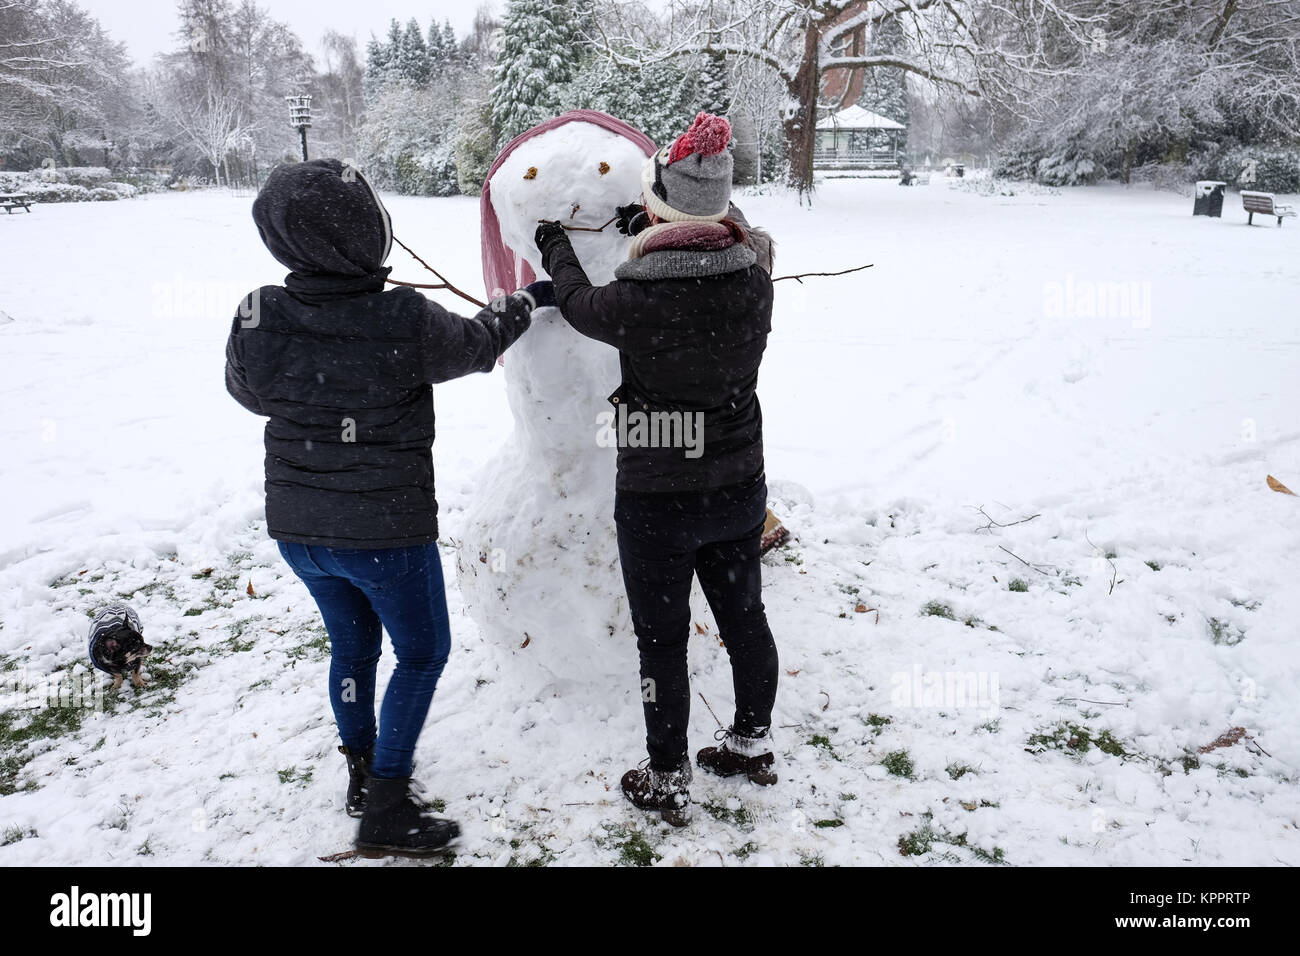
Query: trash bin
point(1209, 198)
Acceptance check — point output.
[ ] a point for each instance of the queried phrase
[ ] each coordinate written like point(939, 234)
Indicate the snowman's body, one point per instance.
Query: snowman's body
point(538, 559)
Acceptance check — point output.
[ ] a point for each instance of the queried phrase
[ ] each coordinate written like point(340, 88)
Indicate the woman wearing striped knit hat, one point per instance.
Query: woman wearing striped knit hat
point(689, 312)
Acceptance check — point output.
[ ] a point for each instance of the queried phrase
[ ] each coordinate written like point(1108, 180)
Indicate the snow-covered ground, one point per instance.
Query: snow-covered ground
point(1035, 692)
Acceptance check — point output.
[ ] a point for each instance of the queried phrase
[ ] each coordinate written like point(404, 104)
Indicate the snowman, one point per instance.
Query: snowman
point(537, 562)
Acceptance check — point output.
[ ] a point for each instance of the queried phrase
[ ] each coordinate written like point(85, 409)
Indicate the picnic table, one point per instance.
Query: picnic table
point(12, 201)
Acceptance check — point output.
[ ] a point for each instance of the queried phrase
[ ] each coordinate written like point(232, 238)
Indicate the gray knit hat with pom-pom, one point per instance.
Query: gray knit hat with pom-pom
point(690, 180)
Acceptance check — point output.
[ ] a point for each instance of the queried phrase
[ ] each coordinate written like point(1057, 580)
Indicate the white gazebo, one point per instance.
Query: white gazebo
point(856, 138)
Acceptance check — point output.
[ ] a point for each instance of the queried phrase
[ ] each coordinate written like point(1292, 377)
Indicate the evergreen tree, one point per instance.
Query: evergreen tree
point(394, 41)
point(885, 92)
point(475, 143)
point(712, 85)
point(436, 51)
point(658, 99)
point(377, 58)
point(538, 52)
point(450, 46)
point(884, 88)
point(412, 59)
point(584, 22)
point(382, 61)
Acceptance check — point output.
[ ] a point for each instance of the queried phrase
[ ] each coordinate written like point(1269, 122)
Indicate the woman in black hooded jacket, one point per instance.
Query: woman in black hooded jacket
point(689, 312)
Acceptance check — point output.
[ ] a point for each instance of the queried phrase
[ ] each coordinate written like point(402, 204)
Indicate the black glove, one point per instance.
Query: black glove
point(549, 233)
point(543, 293)
point(632, 219)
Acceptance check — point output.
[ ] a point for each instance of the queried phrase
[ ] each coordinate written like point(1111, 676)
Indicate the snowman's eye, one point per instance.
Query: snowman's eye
point(532, 173)
point(604, 168)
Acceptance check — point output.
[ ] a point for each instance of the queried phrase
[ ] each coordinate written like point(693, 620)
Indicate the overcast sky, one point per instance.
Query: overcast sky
point(148, 27)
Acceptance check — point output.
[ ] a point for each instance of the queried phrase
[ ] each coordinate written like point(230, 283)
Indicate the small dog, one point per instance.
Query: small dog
point(117, 644)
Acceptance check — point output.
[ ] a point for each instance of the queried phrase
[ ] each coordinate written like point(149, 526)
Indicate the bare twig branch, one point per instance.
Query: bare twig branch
point(998, 524)
point(804, 275)
point(1257, 744)
point(1024, 562)
point(569, 228)
point(1101, 703)
point(445, 284)
point(715, 716)
point(1113, 570)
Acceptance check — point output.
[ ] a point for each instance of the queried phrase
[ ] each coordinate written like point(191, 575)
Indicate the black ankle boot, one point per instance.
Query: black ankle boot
point(740, 754)
point(397, 822)
point(358, 770)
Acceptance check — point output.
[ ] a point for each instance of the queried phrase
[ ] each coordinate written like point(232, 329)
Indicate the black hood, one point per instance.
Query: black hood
point(323, 219)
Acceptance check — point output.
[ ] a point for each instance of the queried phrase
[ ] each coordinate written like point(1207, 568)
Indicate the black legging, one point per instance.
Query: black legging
point(663, 539)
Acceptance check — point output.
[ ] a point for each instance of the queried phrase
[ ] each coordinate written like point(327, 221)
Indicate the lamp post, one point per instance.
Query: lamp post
point(300, 117)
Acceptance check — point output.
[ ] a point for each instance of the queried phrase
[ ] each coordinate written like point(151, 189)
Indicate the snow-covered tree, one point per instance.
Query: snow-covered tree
point(475, 139)
point(434, 47)
point(713, 84)
point(756, 110)
point(478, 45)
point(451, 52)
point(658, 99)
point(884, 88)
point(339, 105)
point(1159, 79)
point(233, 67)
point(408, 140)
point(411, 139)
point(383, 59)
point(64, 82)
point(208, 119)
point(267, 62)
point(884, 91)
point(962, 45)
point(410, 63)
point(540, 43)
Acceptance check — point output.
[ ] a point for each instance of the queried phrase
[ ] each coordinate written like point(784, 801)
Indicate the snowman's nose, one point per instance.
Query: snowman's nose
point(574, 211)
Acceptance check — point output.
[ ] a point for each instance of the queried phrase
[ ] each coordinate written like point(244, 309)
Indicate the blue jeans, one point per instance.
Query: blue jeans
point(360, 592)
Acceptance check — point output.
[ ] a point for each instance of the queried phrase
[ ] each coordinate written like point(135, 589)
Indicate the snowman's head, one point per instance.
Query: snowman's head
point(575, 169)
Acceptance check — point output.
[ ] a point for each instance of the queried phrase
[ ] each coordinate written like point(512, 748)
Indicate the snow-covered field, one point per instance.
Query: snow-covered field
point(1037, 692)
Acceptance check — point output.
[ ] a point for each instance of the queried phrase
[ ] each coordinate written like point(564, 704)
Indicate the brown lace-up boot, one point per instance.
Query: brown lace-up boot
point(738, 754)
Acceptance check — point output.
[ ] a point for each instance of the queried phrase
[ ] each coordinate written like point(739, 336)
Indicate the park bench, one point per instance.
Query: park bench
point(12, 201)
point(1265, 205)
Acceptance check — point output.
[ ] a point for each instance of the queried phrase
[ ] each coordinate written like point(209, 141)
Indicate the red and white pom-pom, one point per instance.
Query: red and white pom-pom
point(708, 136)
